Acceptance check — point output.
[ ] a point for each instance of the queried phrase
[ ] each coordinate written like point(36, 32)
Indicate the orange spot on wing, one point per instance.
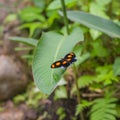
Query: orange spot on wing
point(52, 66)
point(64, 62)
point(58, 63)
point(68, 59)
point(69, 56)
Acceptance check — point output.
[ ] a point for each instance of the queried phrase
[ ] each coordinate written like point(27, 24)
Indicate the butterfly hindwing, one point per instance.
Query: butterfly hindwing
point(65, 63)
point(70, 55)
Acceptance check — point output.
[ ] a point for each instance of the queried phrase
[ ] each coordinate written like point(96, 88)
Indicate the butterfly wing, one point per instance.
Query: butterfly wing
point(61, 63)
point(65, 62)
point(70, 55)
point(57, 64)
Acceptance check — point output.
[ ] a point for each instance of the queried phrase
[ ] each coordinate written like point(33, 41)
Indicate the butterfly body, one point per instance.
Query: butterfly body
point(65, 62)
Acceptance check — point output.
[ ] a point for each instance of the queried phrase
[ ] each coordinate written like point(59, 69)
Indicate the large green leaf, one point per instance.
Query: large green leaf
point(95, 22)
point(51, 47)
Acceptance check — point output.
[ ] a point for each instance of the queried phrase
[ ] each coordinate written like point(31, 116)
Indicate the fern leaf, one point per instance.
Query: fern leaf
point(86, 80)
point(83, 105)
point(109, 117)
point(104, 109)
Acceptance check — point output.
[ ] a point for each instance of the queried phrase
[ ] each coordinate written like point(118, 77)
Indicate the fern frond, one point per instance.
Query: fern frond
point(86, 80)
point(104, 109)
point(83, 105)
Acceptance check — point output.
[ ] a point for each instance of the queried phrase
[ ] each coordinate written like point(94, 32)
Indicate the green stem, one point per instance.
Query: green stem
point(65, 15)
point(76, 83)
point(77, 89)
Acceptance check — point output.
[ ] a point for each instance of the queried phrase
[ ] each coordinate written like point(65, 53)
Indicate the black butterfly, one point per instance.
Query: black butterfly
point(65, 62)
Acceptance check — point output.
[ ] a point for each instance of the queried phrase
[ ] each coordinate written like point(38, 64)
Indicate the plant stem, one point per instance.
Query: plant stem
point(65, 15)
point(77, 89)
point(76, 83)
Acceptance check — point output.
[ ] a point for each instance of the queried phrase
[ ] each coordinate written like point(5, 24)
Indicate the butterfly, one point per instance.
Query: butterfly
point(65, 62)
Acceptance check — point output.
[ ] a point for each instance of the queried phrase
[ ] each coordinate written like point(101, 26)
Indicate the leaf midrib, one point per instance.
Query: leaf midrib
point(56, 53)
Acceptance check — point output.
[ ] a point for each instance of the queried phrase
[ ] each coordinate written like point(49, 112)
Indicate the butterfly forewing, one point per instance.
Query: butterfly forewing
point(56, 64)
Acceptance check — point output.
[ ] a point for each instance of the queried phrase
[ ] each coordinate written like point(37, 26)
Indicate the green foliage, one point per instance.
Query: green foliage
point(86, 80)
point(27, 41)
point(60, 93)
point(61, 113)
point(80, 57)
point(32, 43)
point(56, 44)
point(40, 3)
point(57, 4)
point(118, 110)
point(98, 49)
point(30, 14)
point(103, 109)
point(19, 98)
point(32, 18)
point(116, 66)
point(98, 9)
point(31, 97)
point(10, 18)
point(95, 34)
point(95, 55)
point(95, 22)
point(105, 75)
point(33, 26)
point(1, 109)
point(103, 2)
point(82, 106)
